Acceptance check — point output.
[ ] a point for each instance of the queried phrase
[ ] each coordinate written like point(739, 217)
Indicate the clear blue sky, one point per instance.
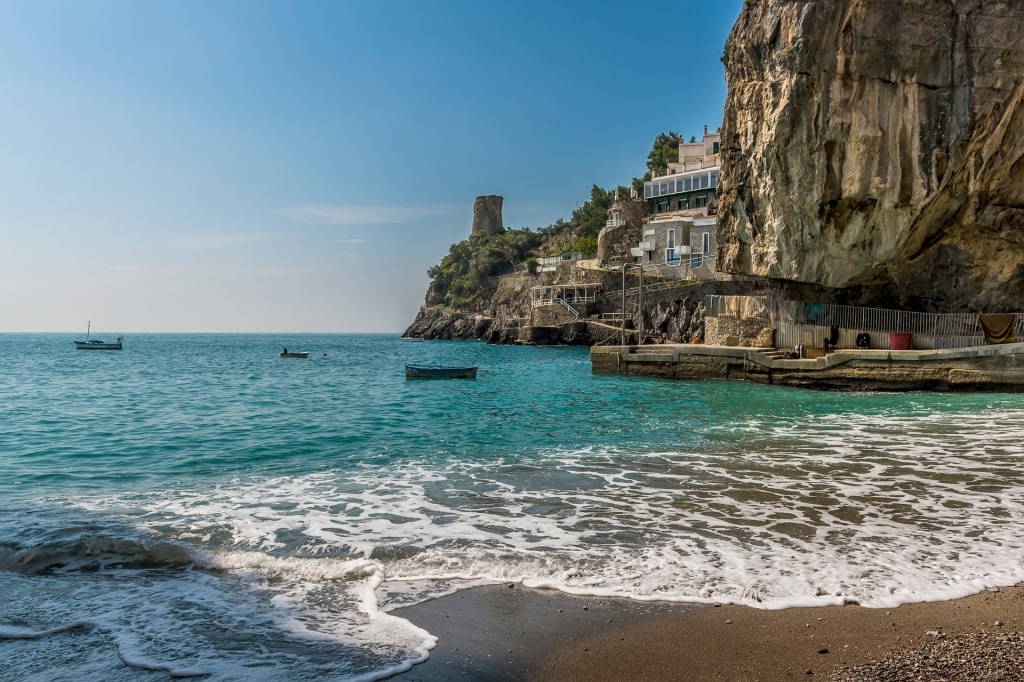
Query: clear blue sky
point(272, 166)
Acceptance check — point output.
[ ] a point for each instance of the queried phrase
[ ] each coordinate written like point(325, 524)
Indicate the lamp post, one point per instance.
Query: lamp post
point(639, 298)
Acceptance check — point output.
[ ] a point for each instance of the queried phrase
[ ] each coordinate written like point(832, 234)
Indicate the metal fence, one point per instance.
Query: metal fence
point(810, 323)
point(798, 323)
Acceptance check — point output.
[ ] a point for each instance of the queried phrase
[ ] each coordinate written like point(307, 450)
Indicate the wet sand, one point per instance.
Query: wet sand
point(513, 633)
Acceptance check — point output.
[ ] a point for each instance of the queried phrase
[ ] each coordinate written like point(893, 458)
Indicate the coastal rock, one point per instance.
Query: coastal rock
point(439, 323)
point(876, 148)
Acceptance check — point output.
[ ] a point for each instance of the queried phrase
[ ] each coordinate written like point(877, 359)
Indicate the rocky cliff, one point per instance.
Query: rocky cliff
point(876, 147)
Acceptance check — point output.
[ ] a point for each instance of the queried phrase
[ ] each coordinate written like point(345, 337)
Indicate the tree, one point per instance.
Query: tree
point(514, 245)
point(589, 218)
point(664, 151)
point(587, 246)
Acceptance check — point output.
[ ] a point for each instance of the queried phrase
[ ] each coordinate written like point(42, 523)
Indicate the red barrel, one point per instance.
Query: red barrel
point(900, 341)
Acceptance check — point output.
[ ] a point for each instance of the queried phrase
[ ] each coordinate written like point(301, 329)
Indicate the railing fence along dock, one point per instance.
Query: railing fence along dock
point(799, 323)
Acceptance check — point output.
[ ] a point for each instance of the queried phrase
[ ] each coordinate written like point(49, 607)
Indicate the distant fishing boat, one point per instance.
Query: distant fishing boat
point(413, 338)
point(294, 353)
point(422, 372)
point(97, 344)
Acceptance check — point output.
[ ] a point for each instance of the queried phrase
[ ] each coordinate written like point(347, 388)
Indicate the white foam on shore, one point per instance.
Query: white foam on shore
point(879, 510)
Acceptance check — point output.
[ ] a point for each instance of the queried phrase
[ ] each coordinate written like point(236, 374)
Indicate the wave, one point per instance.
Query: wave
point(90, 550)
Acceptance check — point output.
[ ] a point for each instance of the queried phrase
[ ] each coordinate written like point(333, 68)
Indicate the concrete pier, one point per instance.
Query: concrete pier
point(994, 368)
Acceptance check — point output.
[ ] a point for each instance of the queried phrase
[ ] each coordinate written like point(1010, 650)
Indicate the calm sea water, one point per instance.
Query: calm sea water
point(196, 505)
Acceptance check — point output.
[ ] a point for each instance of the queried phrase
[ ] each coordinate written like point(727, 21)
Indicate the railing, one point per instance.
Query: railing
point(811, 323)
point(659, 285)
point(616, 337)
point(565, 304)
point(544, 296)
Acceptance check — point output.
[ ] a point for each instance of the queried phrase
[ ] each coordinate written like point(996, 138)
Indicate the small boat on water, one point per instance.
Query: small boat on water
point(294, 353)
point(96, 344)
point(423, 372)
point(413, 338)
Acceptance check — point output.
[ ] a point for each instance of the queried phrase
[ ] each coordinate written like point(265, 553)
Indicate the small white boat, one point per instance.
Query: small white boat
point(294, 353)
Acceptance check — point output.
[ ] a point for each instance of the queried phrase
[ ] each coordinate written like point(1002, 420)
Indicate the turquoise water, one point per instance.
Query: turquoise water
point(197, 505)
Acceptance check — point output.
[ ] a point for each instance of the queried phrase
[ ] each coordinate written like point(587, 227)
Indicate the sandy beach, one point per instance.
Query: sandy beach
point(512, 633)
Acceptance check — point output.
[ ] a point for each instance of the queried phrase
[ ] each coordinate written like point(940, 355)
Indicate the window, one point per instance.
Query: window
point(706, 242)
point(697, 260)
point(701, 201)
point(716, 147)
point(671, 239)
point(662, 206)
point(714, 178)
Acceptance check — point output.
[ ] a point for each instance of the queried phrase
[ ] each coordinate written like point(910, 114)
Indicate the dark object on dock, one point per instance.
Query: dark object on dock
point(422, 372)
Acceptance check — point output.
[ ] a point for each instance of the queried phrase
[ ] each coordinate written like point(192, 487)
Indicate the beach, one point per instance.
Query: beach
point(508, 632)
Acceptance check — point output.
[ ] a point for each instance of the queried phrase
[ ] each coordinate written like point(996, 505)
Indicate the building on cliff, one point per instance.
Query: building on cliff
point(682, 206)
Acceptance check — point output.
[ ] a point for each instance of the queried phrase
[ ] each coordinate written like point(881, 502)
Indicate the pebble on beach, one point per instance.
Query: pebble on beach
point(973, 656)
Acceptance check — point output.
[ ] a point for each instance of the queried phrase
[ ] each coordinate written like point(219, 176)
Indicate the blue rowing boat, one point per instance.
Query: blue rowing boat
point(423, 372)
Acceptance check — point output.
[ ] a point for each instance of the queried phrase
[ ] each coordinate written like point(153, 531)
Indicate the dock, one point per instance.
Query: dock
point(990, 368)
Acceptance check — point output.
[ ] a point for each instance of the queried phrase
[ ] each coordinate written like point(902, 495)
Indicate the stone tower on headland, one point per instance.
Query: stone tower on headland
point(487, 215)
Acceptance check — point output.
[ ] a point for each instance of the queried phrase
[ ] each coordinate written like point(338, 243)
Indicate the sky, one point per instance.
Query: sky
point(297, 166)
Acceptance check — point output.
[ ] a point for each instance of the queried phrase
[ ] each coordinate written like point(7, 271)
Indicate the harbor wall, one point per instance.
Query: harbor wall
point(998, 368)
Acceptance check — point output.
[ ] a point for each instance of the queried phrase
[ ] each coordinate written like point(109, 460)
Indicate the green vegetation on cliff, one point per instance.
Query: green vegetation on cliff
point(464, 274)
point(464, 278)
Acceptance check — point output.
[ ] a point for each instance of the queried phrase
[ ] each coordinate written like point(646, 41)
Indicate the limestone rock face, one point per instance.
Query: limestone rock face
point(876, 147)
point(487, 215)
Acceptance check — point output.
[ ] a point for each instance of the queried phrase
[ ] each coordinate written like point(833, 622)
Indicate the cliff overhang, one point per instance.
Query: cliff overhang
point(875, 149)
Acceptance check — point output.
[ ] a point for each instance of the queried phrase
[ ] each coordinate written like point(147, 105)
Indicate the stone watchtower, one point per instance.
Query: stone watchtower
point(487, 216)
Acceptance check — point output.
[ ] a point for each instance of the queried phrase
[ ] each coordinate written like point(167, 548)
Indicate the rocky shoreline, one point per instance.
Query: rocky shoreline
point(672, 311)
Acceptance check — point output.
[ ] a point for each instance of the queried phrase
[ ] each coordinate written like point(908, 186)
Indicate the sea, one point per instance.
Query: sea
point(197, 506)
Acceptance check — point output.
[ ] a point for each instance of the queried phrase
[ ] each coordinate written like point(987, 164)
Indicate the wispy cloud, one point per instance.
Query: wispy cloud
point(328, 214)
point(215, 241)
point(219, 270)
